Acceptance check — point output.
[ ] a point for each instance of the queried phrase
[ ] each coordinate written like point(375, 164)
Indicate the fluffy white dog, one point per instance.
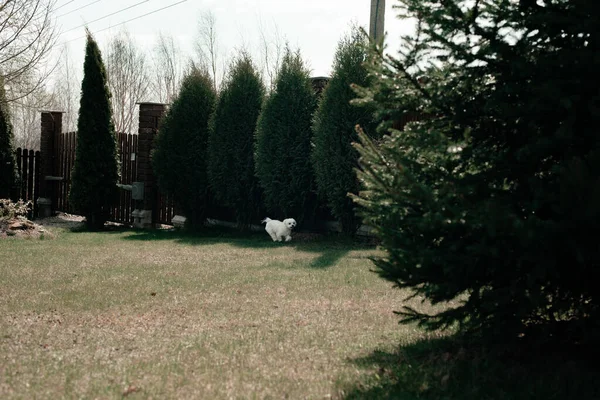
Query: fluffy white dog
point(279, 230)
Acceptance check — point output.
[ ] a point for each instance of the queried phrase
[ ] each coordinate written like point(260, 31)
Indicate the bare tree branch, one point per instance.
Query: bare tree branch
point(272, 46)
point(207, 46)
point(168, 69)
point(128, 80)
point(27, 36)
point(66, 91)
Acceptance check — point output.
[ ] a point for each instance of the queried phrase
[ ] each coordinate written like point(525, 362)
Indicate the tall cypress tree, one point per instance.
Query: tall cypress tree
point(8, 164)
point(95, 172)
point(231, 141)
point(333, 156)
point(179, 158)
point(283, 142)
point(494, 196)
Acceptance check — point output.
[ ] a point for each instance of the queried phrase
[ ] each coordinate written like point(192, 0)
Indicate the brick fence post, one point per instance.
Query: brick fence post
point(51, 128)
point(144, 216)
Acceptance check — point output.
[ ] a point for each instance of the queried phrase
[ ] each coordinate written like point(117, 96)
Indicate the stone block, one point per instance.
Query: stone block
point(142, 219)
point(44, 207)
point(178, 221)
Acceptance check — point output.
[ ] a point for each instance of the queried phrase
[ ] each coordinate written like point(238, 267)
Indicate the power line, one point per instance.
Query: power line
point(132, 19)
point(66, 4)
point(106, 16)
point(77, 9)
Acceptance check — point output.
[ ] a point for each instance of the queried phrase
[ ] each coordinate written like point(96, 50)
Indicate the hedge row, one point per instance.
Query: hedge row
point(243, 155)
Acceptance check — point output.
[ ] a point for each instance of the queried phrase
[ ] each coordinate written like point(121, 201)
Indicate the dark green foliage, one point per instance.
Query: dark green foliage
point(495, 196)
point(8, 163)
point(231, 142)
point(180, 152)
point(283, 138)
point(95, 172)
point(333, 156)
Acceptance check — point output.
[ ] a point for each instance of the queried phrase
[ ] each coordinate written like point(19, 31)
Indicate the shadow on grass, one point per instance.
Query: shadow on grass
point(331, 248)
point(450, 369)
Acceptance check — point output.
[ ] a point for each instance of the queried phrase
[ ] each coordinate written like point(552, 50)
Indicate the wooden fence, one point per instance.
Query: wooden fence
point(64, 158)
point(28, 164)
point(127, 145)
point(127, 148)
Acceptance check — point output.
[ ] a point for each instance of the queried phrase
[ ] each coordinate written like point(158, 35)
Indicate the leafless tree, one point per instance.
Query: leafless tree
point(60, 94)
point(27, 35)
point(126, 68)
point(207, 46)
point(272, 48)
point(167, 70)
point(66, 91)
point(25, 113)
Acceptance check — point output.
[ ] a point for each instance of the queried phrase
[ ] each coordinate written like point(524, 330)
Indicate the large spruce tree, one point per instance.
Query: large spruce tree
point(95, 172)
point(231, 141)
point(333, 156)
point(283, 142)
point(8, 164)
point(180, 154)
point(494, 196)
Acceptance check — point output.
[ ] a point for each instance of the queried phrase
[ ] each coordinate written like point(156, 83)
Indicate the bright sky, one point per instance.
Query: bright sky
point(314, 26)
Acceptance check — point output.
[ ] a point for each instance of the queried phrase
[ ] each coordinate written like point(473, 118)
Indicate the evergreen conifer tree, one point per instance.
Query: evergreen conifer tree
point(494, 195)
point(231, 141)
point(180, 155)
point(95, 172)
point(283, 142)
point(333, 156)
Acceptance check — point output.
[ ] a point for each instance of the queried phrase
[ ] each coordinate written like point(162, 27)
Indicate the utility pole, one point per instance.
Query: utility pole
point(376, 29)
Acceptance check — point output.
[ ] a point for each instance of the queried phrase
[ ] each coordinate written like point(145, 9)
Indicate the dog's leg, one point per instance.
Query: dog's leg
point(288, 238)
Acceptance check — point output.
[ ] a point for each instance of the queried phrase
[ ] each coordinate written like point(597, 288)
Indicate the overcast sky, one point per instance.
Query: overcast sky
point(314, 26)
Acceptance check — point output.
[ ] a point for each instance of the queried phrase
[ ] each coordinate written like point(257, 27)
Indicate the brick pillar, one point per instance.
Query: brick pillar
point(144, 216)
point(51, 128)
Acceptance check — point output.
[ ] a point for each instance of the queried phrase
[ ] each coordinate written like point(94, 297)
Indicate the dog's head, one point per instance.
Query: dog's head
point(290, 223)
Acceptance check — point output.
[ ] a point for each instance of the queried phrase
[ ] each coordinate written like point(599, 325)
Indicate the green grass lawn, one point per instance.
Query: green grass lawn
point(166, 315)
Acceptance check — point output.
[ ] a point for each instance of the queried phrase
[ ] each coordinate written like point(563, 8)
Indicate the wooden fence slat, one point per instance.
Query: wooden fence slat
point(72, 154)
point(25, 174)
point(123, 197)
point(31, 175)
point(63, 171)
point(127, 176)
point(36, 182)
point(20, 169)
point(134, 149)
point(59, 186)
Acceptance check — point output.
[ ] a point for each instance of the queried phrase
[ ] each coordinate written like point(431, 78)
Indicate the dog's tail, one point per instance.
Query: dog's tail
point(264, 221)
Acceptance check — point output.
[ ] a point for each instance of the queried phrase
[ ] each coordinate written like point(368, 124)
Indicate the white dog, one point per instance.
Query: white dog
point(279, 230)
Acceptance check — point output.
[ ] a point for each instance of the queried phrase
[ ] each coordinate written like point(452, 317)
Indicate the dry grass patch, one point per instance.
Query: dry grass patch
point(165, 315)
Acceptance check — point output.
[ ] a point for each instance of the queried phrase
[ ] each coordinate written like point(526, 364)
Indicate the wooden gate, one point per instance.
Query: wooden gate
point(127, 148)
